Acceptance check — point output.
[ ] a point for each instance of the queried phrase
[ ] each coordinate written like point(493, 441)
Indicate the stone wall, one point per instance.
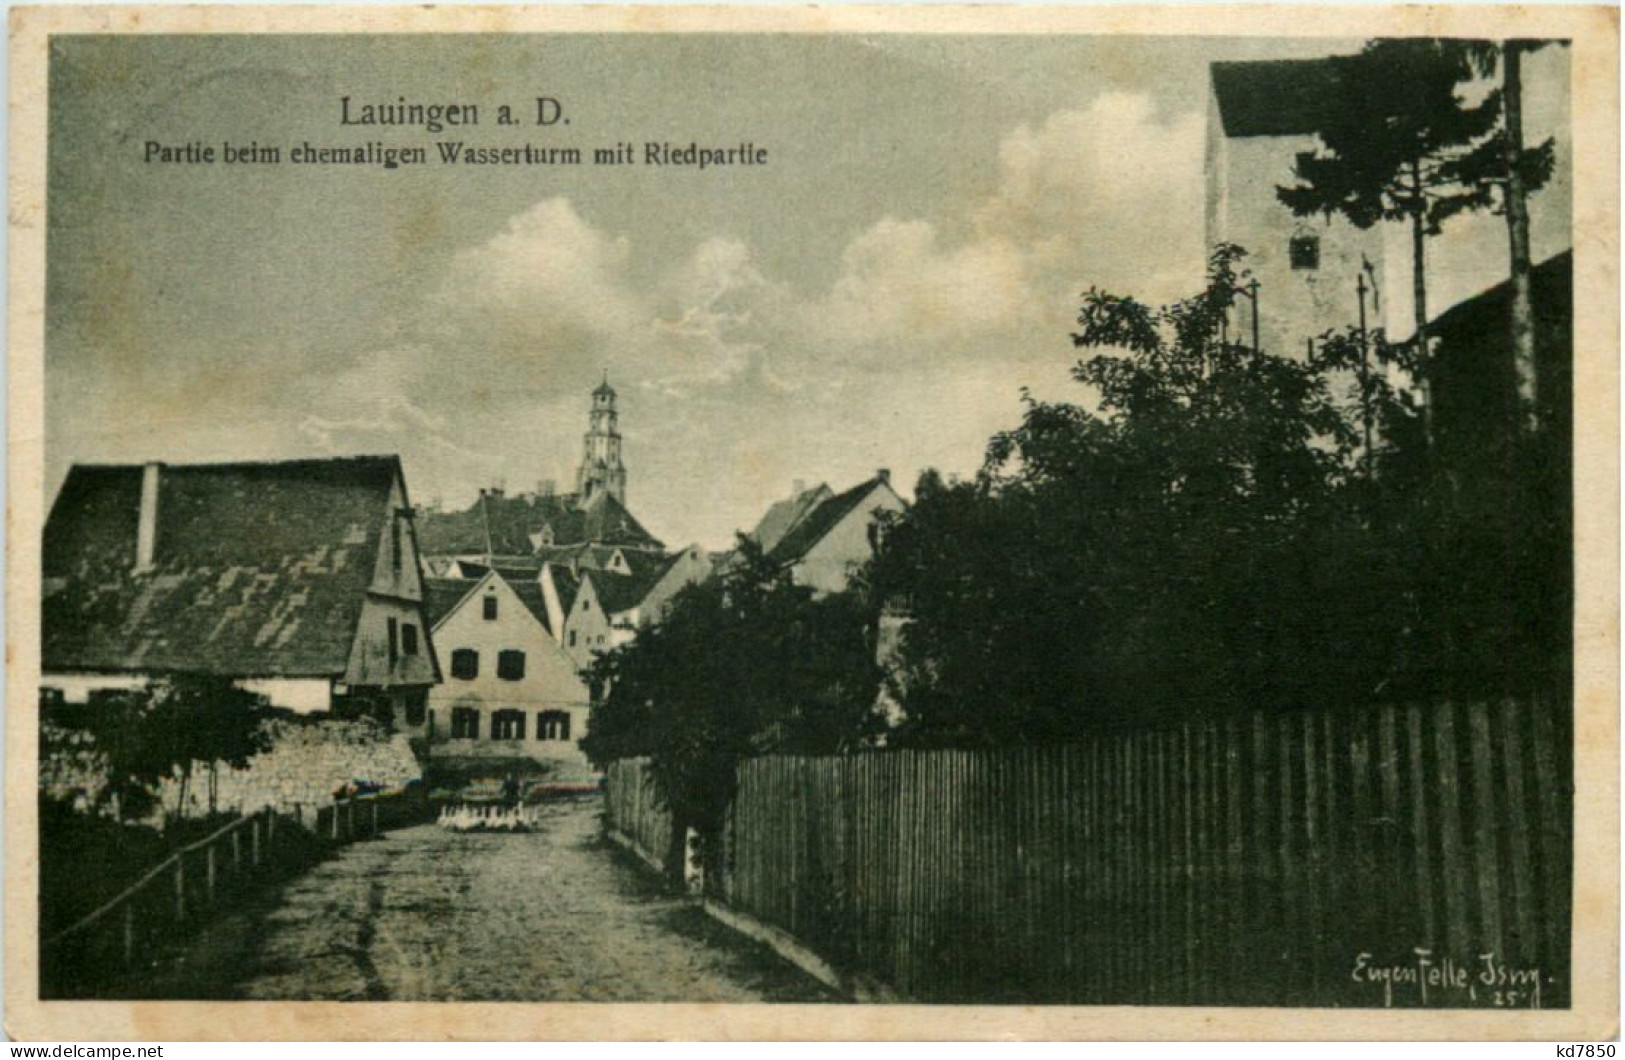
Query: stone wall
point(307, 761)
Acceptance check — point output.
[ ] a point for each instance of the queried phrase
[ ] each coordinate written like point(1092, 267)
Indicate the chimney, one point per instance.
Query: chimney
point(146, 527)
point(798, 487)
point(883, 474)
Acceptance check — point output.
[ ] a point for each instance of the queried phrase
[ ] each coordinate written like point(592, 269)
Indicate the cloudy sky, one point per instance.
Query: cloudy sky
point(877, 295)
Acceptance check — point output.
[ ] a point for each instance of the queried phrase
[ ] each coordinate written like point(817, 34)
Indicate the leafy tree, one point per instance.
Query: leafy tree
point(747, 663)
point(1212, 536)
point(1401, 144)
point(117, 722)
point(1152, 557)
point(171, 726)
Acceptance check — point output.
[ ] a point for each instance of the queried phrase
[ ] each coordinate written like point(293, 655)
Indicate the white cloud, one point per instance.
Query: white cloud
point(735, 383)
point(1109, 195)
point(549, 285)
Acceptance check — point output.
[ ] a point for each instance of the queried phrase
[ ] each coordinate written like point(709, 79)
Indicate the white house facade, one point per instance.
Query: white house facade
point(511, 694)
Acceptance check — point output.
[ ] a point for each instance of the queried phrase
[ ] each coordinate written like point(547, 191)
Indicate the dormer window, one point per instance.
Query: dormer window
point(490, 605)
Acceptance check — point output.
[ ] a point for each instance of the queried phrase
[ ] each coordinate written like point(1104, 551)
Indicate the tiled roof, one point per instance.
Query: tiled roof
point(567, 585)
point(1276, 97)
point(259, 569)
point(513, 520)
point(820, 521)
point(621, 592)
point(512, 573)
point(608, 522)
point(442, 595)
point(530, 594)
point(785, 514)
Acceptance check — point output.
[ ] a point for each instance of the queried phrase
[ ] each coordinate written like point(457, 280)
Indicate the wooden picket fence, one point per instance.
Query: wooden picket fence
point(102, 950)
point(634, 813)
point(1271, 860)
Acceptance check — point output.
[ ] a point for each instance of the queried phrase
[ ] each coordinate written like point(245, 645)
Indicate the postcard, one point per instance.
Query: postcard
point(842, 522)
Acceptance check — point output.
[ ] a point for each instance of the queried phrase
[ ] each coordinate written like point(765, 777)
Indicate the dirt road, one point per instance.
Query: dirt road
point(428, 914)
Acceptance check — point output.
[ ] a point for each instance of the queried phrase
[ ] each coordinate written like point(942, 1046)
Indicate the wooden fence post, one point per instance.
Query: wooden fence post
point(236, 851)
point(254, 841)
point(338, 809)
point(208, 875)
point(180, 888)
point(129, 934)
point(270, 825)
point(375, 818)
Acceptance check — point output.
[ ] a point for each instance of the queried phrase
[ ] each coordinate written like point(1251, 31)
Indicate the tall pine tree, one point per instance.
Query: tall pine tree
point(1392, 149)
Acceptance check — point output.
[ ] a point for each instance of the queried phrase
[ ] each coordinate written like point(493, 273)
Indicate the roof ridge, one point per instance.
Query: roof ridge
point(354, 458)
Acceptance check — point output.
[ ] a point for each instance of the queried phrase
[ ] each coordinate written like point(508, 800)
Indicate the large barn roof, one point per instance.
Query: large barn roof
point(258, 569)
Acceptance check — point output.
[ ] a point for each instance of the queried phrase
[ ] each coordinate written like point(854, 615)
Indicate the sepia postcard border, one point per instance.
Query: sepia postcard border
point(1594, 1015)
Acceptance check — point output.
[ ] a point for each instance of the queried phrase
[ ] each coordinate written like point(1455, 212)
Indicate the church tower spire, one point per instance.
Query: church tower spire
point(601, 468)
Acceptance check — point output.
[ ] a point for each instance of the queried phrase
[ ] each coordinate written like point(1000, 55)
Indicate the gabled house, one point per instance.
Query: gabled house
point(512, 696)
point(299, 579)
point(671, 576)
point(586, 627)
point(835, 535)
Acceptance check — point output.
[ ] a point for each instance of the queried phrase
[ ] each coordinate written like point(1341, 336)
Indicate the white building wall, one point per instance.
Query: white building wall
point(587, 631)
point(827, 566)
point(302, 695)
point(1295, 304)
point(1468, 257)
point(551, 683)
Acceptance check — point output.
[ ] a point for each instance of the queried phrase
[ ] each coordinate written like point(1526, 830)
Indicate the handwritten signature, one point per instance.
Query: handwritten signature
point(1431, 979)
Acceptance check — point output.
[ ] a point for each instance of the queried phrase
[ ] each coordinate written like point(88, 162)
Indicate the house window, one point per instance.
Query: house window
point(394, 640)
point(465, 723)
point(1304, 252)
point(552, 725)
point(409, 639)
point(508, 725)
point(417, 707)
point(465, 664)
point(586, 605)
point(572, 638)
point(511, 665)
point(490, 605)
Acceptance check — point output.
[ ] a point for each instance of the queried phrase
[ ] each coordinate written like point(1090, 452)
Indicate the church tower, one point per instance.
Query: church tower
point(601, 468)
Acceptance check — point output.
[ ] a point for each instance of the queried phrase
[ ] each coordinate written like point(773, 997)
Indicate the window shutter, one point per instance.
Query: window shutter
point(511, 665)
